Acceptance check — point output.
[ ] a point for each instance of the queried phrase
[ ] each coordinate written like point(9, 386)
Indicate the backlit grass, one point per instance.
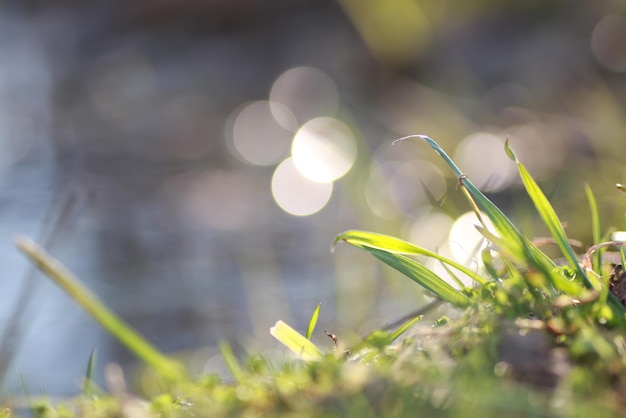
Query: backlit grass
point(530, 337)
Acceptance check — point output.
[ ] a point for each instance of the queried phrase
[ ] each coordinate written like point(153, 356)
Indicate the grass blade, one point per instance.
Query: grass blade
point(313, 321)
point(555, 227)
point(595, 228)
point(231, 362)
point(370, 240)
point(501, 223)
point(295, 341)
point(488, 262)
point(422, 276)
point(430, 197)
point(453, 276)
point(521, 247)
point(550, 218)
point(125, 334)
point(91, 366)
point(404, 327)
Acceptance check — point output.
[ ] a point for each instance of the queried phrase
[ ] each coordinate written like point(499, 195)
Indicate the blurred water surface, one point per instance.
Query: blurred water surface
point(192, 161)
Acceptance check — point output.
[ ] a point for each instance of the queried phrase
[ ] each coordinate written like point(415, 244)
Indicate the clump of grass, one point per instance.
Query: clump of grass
point(530, 338)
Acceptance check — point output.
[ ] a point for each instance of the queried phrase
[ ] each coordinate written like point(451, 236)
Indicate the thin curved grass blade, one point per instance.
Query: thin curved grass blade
point(313, 321)
point(555, 278)
point(231, 362)
point(500, 222)
point(422, 276)
point(518, 245)
point(555, 227)
point(550, 218)
point(124, 333)
point(405, 327)
point(370, 240)
point(89, 373)
point(595, 227)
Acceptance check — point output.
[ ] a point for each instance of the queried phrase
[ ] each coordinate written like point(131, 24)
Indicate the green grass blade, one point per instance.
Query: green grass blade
point(295, 341)
point(555, 227)
point(500, 222)
point(164, 366)
point(313, 321)
point(91, 366)
point(557, 280)
point(430, 197)
point(404, 327)
point(434, 145)
point(422, 276)
point(550, 218)
point(488, 262)
point(453, 276)
point(595, 228)
point(521, 247)
point(370, 240)
point(231, 362)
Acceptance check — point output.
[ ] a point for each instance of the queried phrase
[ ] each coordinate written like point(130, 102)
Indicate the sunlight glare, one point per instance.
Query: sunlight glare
point(430, 231)
point(466, 243)
point(297, 195)
point(323, 150)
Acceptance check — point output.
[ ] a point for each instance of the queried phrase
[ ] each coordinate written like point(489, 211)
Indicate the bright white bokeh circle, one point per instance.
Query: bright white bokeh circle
point(297, 195)
point(430, 231)
point(466, 243)
point(324, 149)
point(482, 158)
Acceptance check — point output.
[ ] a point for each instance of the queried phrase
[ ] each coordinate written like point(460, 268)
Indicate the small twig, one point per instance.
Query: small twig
point(587, 265)
point(541, 241)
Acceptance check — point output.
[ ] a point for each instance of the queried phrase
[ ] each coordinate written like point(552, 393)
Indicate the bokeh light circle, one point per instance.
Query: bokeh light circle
point(540, 157)
point(482, 158)
point(297, 195)
point(465, 242)
point(256, 136)
point(308, 92)
point(431, 230)
point(377, 189)
point(444, 272)
point(413, 183)
point(323, 149)
point(607, 43)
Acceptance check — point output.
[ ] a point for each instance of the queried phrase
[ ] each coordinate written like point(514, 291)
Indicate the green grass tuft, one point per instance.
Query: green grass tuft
point(530, 337)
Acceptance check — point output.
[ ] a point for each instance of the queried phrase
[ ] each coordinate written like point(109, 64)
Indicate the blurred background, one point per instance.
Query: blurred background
point(192, 161)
